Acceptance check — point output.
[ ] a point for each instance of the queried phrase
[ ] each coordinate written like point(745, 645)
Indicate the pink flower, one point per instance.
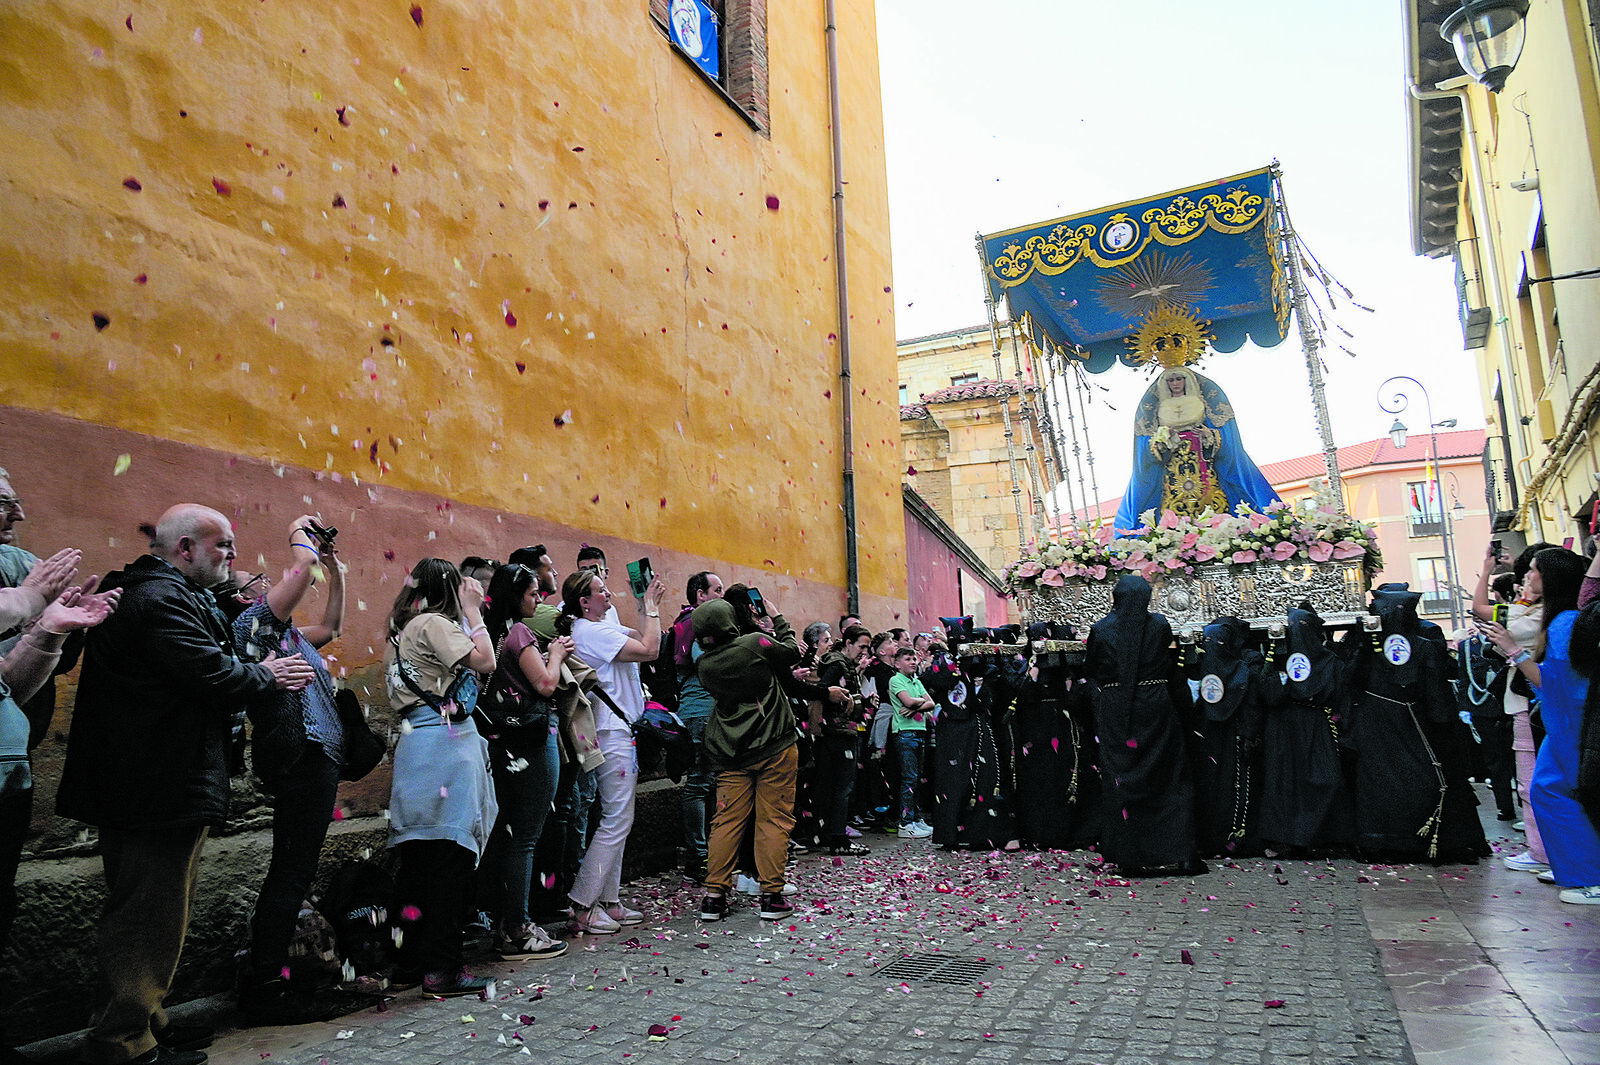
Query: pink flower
point(1258, 520)
point(1149, 569)
point(1319, 550)
point(1169, 520)
point(1096, 572)
point(1242, 557)
point(1284, 551)
point(1052, 578)
point(1173, 563)
point(1189, 541)
point(1348, 549)
point(1104, 534)
point(1027, 569)
point(1205, 552)
point(1070, 569)
point(1217, 521)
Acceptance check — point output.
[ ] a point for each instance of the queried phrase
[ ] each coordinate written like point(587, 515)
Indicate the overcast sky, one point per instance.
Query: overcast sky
point(1014, 112)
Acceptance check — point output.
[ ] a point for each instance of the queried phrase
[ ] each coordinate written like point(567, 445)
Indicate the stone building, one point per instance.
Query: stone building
point(458, 277)
point(953, 437)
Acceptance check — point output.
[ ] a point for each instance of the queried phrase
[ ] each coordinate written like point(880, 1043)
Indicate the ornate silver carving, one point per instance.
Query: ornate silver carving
point(1262, 593)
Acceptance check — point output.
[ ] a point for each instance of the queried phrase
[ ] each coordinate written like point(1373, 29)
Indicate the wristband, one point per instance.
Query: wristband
point(1520, 657)
point(650, 615)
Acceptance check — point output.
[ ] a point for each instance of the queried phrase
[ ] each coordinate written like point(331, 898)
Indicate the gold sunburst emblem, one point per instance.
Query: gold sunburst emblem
point(1170, 336)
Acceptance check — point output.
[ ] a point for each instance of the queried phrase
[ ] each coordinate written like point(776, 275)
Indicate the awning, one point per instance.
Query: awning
point(1086, 283)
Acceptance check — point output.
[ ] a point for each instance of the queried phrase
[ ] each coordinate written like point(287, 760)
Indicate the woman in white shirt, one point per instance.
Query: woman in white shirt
point(614, 653)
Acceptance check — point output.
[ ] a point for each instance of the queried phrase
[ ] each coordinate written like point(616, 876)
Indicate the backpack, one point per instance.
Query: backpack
point(356, 904)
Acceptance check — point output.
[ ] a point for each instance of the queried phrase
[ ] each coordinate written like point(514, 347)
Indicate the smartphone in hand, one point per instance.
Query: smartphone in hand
point(640, 576)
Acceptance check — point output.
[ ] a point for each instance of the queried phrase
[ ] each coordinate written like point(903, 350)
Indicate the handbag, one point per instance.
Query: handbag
point(506, 709)
point(458, 701)
point(363, 749)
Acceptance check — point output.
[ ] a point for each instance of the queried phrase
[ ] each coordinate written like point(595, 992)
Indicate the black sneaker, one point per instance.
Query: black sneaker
point(774, 906)
point(713, 907)
point(160, 1055)
point(276, 1003)
point(459, 982)
point(185, 1036)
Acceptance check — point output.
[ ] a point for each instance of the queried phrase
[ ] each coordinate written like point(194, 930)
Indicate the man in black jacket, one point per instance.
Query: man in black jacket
point(147, 761)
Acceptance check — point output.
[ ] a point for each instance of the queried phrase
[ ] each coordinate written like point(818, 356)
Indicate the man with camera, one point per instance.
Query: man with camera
point(750, 742)
point(147, 762)
point(296, 750)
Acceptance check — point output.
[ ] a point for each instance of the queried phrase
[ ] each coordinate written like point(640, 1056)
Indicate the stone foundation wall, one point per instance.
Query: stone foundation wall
point(48, 970)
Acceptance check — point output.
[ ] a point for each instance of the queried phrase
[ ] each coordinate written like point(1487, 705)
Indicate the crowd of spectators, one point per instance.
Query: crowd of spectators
point(518, 699)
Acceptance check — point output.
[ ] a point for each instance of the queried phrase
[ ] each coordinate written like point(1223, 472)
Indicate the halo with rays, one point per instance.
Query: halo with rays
point(1153, 280)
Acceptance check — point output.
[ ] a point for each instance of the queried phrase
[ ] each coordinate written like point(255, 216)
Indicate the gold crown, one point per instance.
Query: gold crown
point(1171, 336)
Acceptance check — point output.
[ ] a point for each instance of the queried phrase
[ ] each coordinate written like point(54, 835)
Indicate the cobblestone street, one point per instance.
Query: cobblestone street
point(1260, 961)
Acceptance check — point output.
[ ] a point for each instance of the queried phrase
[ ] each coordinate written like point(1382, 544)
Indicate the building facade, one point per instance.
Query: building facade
point(953, 425)
point(1508, 185)
point(461, 282)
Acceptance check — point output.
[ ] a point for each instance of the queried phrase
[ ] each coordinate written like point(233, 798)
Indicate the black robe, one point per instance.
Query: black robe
point(1305, 801)
point(1147, 791)
point(1413, 801)
point(1058, 782)
point(971, 771)
point(1227, 756)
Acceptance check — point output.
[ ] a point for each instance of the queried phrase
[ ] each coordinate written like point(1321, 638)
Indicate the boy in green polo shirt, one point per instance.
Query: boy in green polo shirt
point(908, 732)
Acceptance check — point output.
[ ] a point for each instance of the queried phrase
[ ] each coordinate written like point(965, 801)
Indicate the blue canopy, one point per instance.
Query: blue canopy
point(1087, 281)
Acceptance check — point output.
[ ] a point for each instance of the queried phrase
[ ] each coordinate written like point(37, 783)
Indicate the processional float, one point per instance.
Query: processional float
point(1153, 285)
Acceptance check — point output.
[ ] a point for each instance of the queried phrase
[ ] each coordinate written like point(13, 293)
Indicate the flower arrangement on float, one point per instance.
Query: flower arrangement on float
point(1177, 544)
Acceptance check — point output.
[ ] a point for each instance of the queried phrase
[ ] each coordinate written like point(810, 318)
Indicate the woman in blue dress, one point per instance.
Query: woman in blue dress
point(1570, 838)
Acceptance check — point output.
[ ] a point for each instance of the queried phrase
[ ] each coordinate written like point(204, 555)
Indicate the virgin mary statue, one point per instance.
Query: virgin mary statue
point(1187, 456)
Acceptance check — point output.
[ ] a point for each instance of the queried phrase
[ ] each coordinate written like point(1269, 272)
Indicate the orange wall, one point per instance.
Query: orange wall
point(555, 161)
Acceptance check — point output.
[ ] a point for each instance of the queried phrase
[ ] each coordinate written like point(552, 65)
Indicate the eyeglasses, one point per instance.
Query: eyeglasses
point(260, 580)
point(11, 504)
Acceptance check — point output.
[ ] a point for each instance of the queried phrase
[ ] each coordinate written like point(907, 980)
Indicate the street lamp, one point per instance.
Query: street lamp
point(1488, 36)
point(1397, 402)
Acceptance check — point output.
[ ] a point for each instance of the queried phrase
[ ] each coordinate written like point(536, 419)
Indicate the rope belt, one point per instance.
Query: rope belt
point(1430, 827)
point(1137, 684)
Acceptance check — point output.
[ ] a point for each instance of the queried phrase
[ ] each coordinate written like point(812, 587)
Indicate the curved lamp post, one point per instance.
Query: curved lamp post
point(1488, 36)
point(1396, 402)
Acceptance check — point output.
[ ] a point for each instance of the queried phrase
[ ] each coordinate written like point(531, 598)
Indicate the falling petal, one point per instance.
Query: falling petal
point(132, 183)
point(121, 465)
point(416, 15)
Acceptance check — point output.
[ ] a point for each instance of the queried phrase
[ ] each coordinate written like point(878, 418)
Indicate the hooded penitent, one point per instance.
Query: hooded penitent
point(1305, 802)
point(1412, 796)
point(1147, 815)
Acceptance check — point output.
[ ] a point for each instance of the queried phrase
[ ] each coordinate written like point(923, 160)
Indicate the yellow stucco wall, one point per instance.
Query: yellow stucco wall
point(1540, 145)
point(544, 210)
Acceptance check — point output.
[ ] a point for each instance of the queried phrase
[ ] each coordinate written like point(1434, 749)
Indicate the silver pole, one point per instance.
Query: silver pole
point(1333, 490)
point(1005, 401)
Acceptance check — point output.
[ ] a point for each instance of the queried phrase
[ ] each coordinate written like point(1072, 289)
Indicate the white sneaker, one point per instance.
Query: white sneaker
point(1582, 896)
point(1547, 876)
point(749, 885)
point(594, 921)
point(621, 914)
point(1524, 863)
point(914, 831)
point(923, 824)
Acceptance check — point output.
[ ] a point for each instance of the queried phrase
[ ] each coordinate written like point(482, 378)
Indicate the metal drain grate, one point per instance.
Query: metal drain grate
point(936, 969)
